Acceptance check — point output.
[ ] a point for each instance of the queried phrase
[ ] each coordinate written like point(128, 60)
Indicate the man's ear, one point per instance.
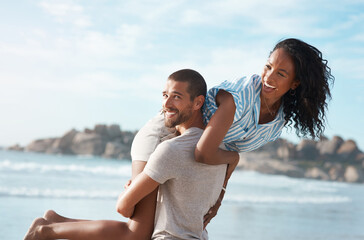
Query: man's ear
point(198, 102)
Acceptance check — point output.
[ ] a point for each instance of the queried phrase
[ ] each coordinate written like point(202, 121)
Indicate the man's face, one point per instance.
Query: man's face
point(177, 104)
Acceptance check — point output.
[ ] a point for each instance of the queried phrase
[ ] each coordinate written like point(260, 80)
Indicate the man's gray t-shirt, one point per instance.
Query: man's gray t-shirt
point(188, 189)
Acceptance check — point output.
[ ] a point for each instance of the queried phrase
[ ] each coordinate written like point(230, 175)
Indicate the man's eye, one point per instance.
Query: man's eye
point(268, 66)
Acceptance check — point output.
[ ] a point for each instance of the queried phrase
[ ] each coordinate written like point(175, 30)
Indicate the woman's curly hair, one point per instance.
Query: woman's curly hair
point(306, 106)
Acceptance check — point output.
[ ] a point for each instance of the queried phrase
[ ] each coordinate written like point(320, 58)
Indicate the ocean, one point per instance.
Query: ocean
point(256, 206)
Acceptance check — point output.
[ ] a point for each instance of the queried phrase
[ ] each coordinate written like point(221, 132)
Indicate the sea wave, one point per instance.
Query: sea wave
point(232, 198)
point(286, 199)
point(279, 182)
point(33, 167)
point(57, 193)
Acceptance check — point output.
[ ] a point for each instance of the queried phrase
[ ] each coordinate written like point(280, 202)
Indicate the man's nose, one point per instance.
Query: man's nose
point(167, 102)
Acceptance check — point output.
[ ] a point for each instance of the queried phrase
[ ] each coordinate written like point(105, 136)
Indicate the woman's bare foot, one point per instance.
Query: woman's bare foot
point(34, 232)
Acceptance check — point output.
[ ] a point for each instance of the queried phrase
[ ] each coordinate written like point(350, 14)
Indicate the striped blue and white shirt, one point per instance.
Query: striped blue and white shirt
point(245, 134)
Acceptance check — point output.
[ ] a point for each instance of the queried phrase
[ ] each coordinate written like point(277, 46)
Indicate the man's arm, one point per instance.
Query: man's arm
point(141, 186)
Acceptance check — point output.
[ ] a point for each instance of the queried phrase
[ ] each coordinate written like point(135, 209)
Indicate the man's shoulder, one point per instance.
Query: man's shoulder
point(191, 135)
point(189, 138)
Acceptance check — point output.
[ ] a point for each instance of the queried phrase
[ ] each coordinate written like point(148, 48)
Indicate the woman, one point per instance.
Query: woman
point(293, 87)
point(243, 115)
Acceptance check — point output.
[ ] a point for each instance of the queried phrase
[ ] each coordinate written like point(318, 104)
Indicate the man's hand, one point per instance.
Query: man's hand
point(127, 184)
point(213, 210)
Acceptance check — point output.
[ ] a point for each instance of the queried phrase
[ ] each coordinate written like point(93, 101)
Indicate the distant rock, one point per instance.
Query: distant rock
point(328, 159)
point(113, 131)
point(286, 151)
point(352, 174)
point(316, 173)
point(328, 148)
point(88, 144)
point(117, 150)
point(307, 150)
point(348, 150)
point(101, 130)
point(65, 142)
point(40, 145)
point(359, 157)
point(15, 147)
point(335, 171)
point(87, 130)
point(261, 162)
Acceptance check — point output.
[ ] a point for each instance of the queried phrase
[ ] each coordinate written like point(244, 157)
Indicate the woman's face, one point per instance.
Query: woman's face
point(278, 76)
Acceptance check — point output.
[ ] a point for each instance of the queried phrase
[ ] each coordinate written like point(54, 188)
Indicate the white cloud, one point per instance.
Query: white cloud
point(61, 8)
point(66, 11)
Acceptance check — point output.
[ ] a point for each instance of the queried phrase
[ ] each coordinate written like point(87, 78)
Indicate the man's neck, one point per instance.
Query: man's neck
point(194, 121)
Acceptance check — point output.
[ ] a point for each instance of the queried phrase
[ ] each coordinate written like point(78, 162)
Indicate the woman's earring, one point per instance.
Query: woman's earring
point(292, 92)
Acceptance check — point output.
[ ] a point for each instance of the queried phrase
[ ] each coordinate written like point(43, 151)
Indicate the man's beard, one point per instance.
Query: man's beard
point(182, 117)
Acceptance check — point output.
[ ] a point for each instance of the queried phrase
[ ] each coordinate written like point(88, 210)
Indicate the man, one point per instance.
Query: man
point(187, 189)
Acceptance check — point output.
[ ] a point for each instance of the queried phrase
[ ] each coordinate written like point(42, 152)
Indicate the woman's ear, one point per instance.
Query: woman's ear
point(295, 84)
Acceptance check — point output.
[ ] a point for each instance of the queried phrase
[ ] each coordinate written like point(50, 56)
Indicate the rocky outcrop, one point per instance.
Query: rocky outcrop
point(40, 145)
point(328, 159)
point(316, 173)
point(306, 150)
point(88, 144)
point(261, 162)
point(116, 150)
point(353, 174)
point(104, 140)
point(348, 150)
point(15, 147)
point(328, 148)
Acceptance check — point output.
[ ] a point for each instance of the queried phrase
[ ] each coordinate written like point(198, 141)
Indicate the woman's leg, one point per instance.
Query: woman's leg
point(53, 217)
point(82, 230)
point(140, 226)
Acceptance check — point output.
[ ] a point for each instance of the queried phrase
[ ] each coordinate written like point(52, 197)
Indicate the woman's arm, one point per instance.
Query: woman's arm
point(207, 149)
point(141, 186)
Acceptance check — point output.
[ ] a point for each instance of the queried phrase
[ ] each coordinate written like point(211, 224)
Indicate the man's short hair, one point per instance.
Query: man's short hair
point(196, 83)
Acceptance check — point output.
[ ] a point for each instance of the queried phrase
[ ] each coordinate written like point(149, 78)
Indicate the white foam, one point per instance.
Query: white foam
point(287, 199)
point(57, 193)
point(7, 165)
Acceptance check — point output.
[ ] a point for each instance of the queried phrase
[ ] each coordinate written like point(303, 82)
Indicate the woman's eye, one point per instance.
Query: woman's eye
point(268, 66)
point(281, 74)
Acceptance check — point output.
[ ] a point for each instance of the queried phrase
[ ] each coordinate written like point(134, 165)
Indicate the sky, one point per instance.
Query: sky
point(73, 64)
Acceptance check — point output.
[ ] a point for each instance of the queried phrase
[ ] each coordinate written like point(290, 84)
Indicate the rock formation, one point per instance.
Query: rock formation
point(328, 159)
point(107, 141)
